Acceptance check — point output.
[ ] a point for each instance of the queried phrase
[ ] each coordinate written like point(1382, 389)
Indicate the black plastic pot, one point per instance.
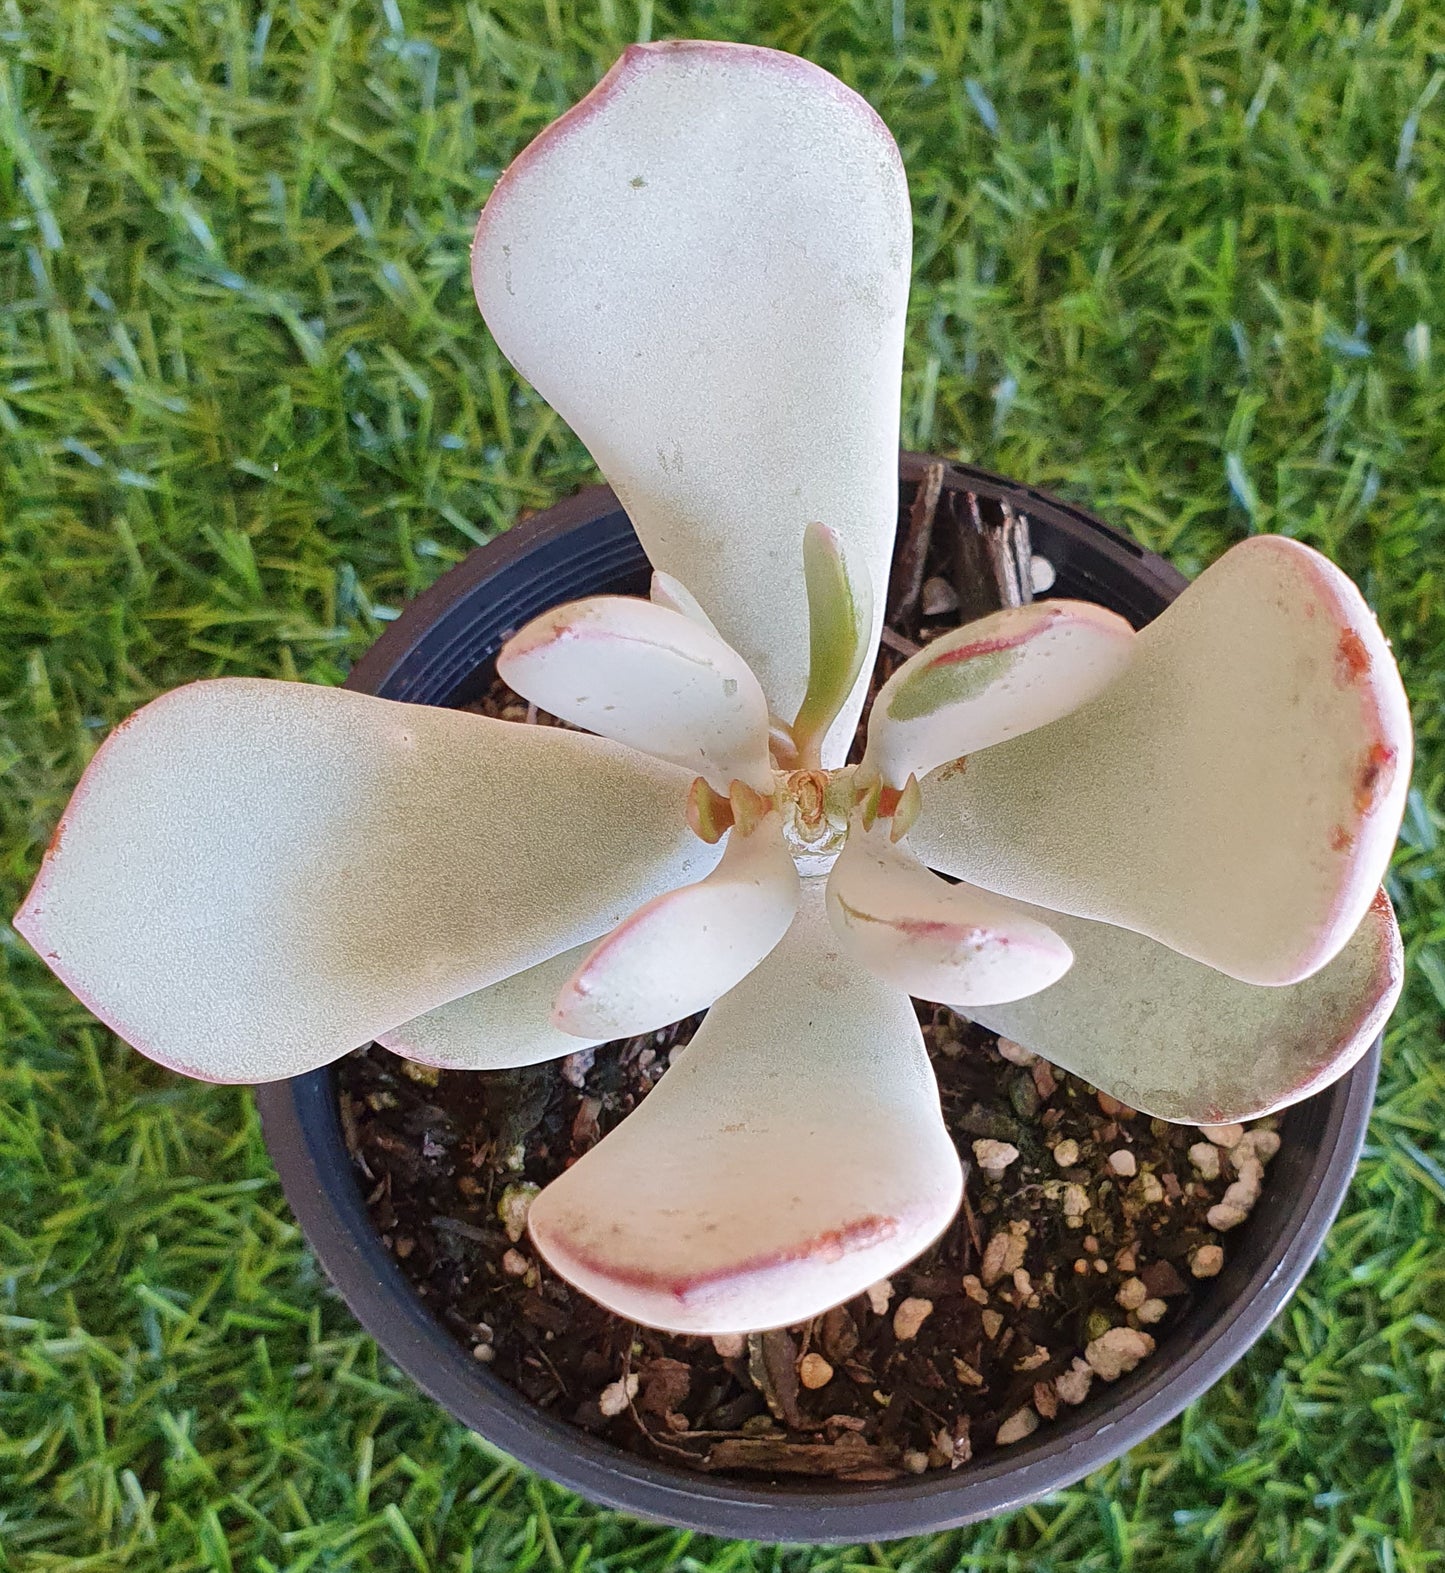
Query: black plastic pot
point(439, 652)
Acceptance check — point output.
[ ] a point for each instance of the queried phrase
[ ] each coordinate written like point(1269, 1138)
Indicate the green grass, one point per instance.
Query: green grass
point(1184, 261)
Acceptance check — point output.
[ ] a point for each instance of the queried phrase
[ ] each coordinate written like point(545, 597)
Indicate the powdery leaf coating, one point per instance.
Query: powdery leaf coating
point(733, 362)
point(1183, 1042)
point(991, 680)
point(254, 877)
point(688, 946)
point(1235, 793)
point(648, 676)
point(953, 944)
point(496, 1028)
point(793, 1155)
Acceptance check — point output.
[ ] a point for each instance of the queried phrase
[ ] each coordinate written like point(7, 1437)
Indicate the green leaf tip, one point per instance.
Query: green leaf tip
point(840, 617)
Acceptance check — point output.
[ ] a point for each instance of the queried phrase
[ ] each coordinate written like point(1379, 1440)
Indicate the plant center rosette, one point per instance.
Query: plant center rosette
point(1153, 858)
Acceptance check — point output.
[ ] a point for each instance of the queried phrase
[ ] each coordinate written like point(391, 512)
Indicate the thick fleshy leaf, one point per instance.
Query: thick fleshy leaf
point(793, 1154)
point(1183, 1042)
point(496, 1028)
point(991, 680)
point(954, 944)
point(255, 877)
point(674, 594)
point(1234, 794)
point(650, 677)
point(731, 349)
point(840, 629)
point(688, 946)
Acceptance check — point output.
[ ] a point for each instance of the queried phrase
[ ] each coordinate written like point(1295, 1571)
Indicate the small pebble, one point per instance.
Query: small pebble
point(909, 1317)
point(616, 1396)
point(1150, 1189)
point(1205, 1158)
point(879, 1295)
point(729, 1345)
point(515, 1265)
point(1225, 1215)
point(1260, 1145)
point(966, 1373)
point(1132, 1294)
point(1123, 1162)
point(814, 1371)
point(574, 1067)
point(1117, 1351)
point(1066, 1154)
point(1151, 1311)
point(974, 1289)
point(915, 1462)
point(1076, 1203)
point(484, 1352)
point(1073, 1385)
point(1004, 1253)
point(1222, 1135)
point(994, 1157)
point(1022, 1423)
point(1016, 1053)
point(516, 1202)
point(992, 1321)
point(1206, 1261)
point(939, 597)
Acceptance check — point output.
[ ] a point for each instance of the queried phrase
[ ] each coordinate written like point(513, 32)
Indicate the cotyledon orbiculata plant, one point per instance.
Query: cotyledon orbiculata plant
point(1168, 844)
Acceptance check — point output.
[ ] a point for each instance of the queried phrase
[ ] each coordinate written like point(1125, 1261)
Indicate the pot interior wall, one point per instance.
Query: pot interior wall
point(440, 652)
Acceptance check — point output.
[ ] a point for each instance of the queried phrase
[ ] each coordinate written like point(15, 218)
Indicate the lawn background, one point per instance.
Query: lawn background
point(1184, 262)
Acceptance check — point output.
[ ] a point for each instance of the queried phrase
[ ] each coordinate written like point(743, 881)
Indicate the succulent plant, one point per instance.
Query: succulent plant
point(1163, 848)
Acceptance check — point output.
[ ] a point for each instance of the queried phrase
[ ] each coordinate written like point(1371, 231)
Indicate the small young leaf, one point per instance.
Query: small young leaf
point(678, 953)
point(649, 676)
point(954, 944)
point(991, 680)
point(840, 621)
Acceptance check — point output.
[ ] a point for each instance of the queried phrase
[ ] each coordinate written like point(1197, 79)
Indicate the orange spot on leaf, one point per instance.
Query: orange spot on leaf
point(1375, 775)
point(1352, 660)
point(1340, 839)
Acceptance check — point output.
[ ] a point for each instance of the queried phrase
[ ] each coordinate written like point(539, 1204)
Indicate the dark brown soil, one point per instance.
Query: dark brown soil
point(1017, 1290)
point(1053, 1276)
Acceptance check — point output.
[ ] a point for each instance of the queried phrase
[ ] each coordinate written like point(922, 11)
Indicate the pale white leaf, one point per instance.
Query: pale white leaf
point(792, 1156)
point(1234, 794)
point(730, 350)
point(1183, 1042)
point(953, 944)
point(648, 676)
point(255, 877)
point(991, 680)
point(673, 593)
point(682, 950)
point(495, 1028)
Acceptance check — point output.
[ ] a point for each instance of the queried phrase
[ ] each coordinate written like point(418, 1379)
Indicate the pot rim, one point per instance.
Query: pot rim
point(302, 1129)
